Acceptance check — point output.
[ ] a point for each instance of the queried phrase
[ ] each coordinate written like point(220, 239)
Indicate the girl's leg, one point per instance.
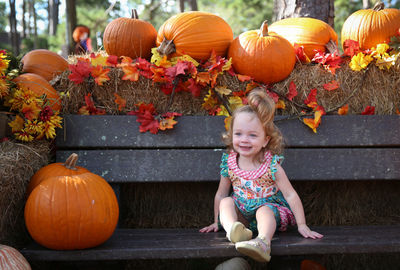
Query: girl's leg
point(259, 248)
point(266, 223)
point(235, 230)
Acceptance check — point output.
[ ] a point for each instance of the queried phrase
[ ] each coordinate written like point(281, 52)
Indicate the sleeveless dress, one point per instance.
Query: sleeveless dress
point(253, 189)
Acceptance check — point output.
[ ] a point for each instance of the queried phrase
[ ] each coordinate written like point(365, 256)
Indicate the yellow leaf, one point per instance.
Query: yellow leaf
point(223, 90)
point(185, 57)
point(387, 61)
point(280, 105)
point(99, 60)
point(360, 61)
point(227, 65)
point(314, 123)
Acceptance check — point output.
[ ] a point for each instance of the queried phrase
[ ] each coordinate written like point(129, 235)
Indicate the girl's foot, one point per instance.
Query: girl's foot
point(239, 233)
point(256, 249)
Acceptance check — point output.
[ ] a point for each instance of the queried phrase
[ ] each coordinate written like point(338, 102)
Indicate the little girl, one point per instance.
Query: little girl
point(263, 198)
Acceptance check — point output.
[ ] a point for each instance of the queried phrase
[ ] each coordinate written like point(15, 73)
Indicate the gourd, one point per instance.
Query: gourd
point(11, 259)
point(56, 169)
point(40, 86)
point(72, 212)
point(371, 26)
point(43, 62)
point(312, 34)
point(129, 37)
point(194, 33)
point(265, 56)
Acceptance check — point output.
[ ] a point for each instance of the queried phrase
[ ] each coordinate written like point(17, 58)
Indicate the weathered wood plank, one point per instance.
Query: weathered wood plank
point(171, 165)
point(122, 131)
point(129, 244)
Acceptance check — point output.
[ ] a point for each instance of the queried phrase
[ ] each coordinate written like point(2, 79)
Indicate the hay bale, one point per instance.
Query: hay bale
point(374, 87)
point(18, 162)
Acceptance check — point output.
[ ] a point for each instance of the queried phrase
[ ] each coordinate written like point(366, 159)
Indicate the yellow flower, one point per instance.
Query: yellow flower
point(387, 61)
point(3, 88)
point(3, 64)
point(17, 124)
point(49, 127)
point(23, 136)
point(360, 61)
point(23, 96)
point(380, 50)
point(33, 127)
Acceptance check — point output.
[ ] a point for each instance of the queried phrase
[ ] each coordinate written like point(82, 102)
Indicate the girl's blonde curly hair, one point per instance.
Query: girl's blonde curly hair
point(260, 104)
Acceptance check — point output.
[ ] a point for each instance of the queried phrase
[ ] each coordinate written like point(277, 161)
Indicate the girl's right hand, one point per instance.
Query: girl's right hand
point(211, 228)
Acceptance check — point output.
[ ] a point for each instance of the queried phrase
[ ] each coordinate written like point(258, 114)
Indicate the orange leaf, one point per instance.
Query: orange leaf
point(314, 123)
point(243, 78)
point(119, 101)
point(227, 122)
point(333, 85)
point(203, 78)
point(343, 110)
point(100, 75)
point(131, 72)
point(167, 123)
point(397, 110)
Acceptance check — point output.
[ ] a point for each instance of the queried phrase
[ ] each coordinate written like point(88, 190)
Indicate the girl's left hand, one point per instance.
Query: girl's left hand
point(305, 231)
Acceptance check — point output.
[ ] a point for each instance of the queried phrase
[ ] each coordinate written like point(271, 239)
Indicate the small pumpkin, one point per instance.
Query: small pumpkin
point(312, 34)
point(265, 56)
point(12, 259)
point(40, 86)
point(129, 37)
point(194, 33)
point(72, 212)
point(44, 63)
point(56, 169)
point(371, 27)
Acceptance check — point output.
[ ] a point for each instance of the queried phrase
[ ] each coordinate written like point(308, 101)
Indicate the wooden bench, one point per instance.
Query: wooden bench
point(113, 147)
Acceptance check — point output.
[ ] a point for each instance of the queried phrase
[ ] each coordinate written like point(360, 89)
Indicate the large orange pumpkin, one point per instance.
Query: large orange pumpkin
point(129, 37)
point(11, 259)
point(40, 86)
point(72, 212)
point(312, 34)
point(56, 169)
point(44, 63)
point(371, 26)
point(194, 33)
point(265, 56)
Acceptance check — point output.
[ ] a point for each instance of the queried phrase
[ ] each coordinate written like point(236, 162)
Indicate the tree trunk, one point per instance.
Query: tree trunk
point(366, 4)
point(14, 36)
point(53, 16)
point(319, 9)
point(193, 5)
point(71, 24)
point(23, 19)
point(35, 33)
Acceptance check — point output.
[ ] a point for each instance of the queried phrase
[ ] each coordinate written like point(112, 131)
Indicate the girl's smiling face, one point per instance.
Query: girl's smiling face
point(248, 135)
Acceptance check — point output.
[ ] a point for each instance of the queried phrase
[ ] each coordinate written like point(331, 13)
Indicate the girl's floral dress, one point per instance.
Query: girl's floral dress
point(253, 189)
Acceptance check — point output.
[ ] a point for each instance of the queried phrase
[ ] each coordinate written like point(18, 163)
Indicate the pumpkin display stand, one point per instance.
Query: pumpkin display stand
point(18, 162)
point(325, 203)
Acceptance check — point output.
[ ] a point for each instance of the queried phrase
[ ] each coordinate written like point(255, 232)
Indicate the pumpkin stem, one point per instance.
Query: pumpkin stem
point(331, 46)
point(70, 163)
point(379, 6)
point(166, 47)
point(264, 29)
point(134, 14)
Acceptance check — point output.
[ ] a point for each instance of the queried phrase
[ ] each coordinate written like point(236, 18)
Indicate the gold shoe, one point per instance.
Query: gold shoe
point(239, 233)
point(256, 249)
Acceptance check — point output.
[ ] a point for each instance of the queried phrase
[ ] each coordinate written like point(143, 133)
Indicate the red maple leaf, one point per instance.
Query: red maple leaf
point(273, 95)
point(80, 71)
point(292, 91)
point(299, 50)
point(112, 60)
point(171, 114)
point(332, 85)
point(194, 88)
point(146, 117)
point(144, 66)
point(180, 68)
point(369, 110)
point(159, 75)
point(90, 108)
point(351, 47)
point(330, 61)
point(311, 100)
